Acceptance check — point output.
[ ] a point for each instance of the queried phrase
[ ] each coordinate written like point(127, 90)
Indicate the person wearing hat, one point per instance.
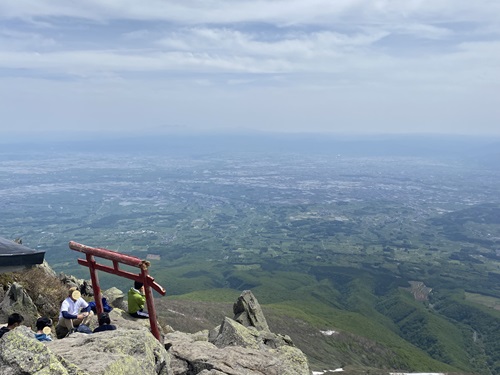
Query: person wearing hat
point(43, 330)
point(74, 311)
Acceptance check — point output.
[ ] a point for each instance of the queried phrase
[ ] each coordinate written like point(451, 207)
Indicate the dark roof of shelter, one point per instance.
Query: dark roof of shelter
point(8, 247)
point(13, 254)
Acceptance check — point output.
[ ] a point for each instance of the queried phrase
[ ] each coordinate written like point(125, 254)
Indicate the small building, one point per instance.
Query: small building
point(15, 256)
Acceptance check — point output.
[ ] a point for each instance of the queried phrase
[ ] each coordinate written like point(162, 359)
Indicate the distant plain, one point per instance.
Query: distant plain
point(333, 231)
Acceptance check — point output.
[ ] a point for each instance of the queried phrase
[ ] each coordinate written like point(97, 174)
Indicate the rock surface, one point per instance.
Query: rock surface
point(193, 354)
point(120, 352)
point(46, 268)
point(16, 300)
point(232, 348)
point(115, 298)
point(21, 353)
point(248, 312)
point(84, 286)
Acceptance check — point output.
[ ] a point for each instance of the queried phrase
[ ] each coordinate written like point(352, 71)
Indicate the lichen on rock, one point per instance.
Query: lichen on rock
point(21, 353)
point(122, 351)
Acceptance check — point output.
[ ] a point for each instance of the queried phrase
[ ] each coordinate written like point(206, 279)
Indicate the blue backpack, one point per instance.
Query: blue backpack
point(105, 306)
point(82, 328)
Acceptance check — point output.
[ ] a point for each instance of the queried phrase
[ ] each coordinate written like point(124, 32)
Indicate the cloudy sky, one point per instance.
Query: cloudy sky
point(340, 66)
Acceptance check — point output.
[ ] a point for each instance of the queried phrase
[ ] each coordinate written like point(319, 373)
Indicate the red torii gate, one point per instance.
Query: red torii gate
point(116, 258)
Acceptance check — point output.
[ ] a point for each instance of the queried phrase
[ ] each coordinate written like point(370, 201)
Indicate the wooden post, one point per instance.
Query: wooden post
point(117, 258)
point(150, 303)
point(95, 284)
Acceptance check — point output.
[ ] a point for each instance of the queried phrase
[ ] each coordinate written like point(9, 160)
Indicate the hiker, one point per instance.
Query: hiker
point(104, 323)
point(43, 330)
point(14, 320)
point(136, 300)
point(75, 311)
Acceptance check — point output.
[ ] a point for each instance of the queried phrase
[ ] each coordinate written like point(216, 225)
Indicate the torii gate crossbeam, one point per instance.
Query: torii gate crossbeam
point(118, 258)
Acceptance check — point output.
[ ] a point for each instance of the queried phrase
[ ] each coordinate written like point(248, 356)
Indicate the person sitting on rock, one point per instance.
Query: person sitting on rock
point(43, 330)
point(14, 320)
point(74, 312)
point(104, 323)
point(136, 300)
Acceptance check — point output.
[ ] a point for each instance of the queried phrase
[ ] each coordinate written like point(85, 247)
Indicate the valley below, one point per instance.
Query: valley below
point(399, 254)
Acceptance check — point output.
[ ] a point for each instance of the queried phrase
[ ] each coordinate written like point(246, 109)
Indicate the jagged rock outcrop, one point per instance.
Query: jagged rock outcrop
point(248, 312)
point(16, 300)
point(84, 286)
point(47, 269)
point(236, 349)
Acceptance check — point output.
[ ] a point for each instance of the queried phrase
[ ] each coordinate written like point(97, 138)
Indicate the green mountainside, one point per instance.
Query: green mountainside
point(334, 338)
point(434, 335)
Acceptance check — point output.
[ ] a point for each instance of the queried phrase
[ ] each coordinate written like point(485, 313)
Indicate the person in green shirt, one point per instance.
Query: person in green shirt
point(136, 300)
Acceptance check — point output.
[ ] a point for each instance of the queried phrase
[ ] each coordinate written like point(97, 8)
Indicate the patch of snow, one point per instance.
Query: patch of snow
point(176, 312)
point(327, 371)
point(329, 332)
point(125, 203)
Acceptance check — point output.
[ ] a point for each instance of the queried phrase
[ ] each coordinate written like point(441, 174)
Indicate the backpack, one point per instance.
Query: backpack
point(82, 328)
point(105, 306)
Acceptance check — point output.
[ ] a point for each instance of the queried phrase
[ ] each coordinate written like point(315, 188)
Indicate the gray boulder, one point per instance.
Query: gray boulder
point(84, 286)
point(232, 333)
point(16, 300)
point(119, 352)
point(115, 298)
point(247, 311)
point(22, 354)
point(192, 354)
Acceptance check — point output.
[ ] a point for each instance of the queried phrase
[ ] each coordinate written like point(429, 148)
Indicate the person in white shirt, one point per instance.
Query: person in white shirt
point(74, 311)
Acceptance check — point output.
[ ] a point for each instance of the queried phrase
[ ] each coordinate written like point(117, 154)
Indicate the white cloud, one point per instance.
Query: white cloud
point(273, 11)
point(11, 39)
point(309, 64)
point(423, 31)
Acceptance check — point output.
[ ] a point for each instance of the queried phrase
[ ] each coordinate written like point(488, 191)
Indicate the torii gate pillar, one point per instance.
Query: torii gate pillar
point(118, 258)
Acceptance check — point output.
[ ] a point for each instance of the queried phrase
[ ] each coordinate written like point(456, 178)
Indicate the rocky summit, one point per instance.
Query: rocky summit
point(242, 345)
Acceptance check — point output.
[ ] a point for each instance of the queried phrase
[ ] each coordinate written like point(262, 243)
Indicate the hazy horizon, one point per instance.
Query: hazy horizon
point(481, 150)
point(39, 136)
